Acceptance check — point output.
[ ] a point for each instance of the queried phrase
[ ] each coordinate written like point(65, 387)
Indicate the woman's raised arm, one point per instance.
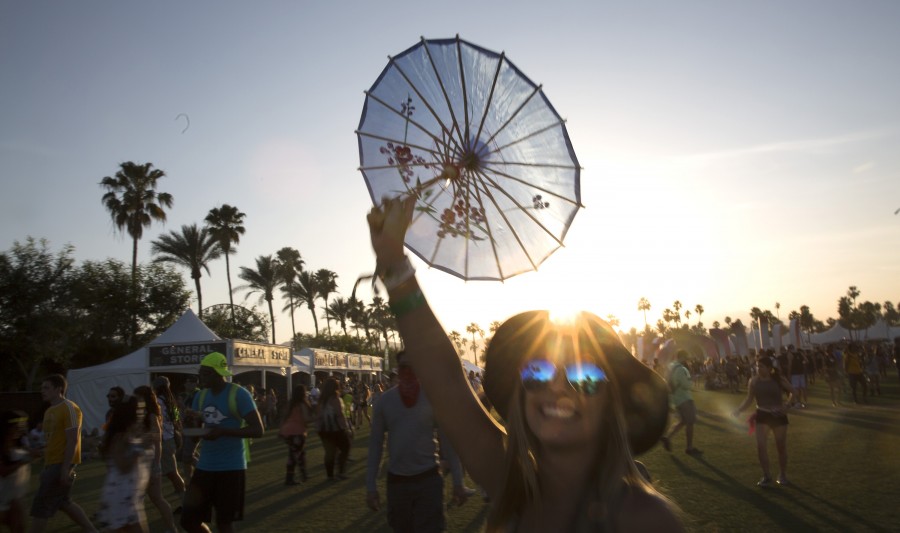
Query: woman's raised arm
point(476, 437)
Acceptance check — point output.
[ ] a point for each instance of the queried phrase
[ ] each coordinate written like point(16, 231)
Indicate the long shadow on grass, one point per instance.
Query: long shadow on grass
point(855, 521)
point(855, 419)
point(740, 492)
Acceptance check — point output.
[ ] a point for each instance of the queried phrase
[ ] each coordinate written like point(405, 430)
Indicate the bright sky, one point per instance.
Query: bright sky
point(735, 154)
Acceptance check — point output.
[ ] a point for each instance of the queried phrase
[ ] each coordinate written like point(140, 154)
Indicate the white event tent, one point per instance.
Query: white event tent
point(177, 350)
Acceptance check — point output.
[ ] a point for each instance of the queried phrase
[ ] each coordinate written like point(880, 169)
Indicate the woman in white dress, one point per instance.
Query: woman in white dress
point(128, 469)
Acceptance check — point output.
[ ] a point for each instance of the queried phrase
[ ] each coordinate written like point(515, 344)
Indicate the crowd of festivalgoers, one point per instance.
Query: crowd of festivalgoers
point(143, 440)
point(858, 367)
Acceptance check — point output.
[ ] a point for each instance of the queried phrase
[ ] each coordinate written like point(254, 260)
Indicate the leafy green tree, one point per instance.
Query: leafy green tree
point(226, 225)
point(97, 289)
point(55, 314)
point(326, 281)
point(289, 265)
point(263, 281)
point(133, 203)
point(247, 324)
point(34, 323)
point(193, 249)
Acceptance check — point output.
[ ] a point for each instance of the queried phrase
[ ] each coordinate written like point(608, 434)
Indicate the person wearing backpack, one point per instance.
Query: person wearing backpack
point(680, 395)
point(229, 417)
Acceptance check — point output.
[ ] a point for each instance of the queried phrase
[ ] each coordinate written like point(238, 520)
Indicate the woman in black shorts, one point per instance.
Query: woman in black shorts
point(767, 388)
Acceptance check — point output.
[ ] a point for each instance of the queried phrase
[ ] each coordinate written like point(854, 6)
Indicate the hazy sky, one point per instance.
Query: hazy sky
point(735, 154)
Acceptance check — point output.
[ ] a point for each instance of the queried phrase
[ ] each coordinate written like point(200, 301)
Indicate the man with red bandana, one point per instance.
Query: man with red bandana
point(415, 488)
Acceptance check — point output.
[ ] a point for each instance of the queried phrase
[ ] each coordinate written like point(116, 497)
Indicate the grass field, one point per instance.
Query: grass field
point(844, 463)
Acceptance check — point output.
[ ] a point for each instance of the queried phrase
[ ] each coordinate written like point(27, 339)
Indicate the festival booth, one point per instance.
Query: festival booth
point(325, 363)
point(177, 351)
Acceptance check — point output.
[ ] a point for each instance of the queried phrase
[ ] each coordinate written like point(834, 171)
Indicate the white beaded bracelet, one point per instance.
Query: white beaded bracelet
point(398, 274)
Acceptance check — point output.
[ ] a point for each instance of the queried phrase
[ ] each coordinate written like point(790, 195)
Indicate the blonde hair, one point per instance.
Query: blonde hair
point(614, 471)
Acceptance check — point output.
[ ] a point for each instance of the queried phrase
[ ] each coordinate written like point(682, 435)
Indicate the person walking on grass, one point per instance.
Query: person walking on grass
point(229, 416)
point(299, 415)
point(152, 425)
point(681, 397)
point(767, 390)
point(415, 488)
point(62, 430)
point(334, 429)
point(853, 366)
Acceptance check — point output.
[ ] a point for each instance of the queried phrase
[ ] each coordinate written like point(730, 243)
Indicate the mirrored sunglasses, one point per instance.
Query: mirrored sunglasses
point(584, 377)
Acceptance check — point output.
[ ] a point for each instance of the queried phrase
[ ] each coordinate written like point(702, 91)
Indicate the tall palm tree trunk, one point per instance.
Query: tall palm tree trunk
point(293, 328)
point(327, 320)
point(312, 310)
point(199, 294)
point(230, 295)
point(133, 302)
point(272, 318)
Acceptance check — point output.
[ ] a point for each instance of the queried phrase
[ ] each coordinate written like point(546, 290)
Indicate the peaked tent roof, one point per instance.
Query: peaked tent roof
point(188, 328)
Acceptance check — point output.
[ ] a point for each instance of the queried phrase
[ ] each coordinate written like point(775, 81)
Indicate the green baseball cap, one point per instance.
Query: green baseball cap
point(217, 362)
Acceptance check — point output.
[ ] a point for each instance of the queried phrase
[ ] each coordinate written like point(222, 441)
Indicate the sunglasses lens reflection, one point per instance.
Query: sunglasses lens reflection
point(537, 373)
point(585, 378)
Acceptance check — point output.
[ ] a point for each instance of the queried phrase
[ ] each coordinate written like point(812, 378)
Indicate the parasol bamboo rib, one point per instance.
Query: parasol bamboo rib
point(518, 110)
point(540, 165)
point(503, 215)
point(462, 83)
point(524, 210)
point(399, 142)
point(535, 133)
point(533, 186)
point(398, 113)
point(487, 223)
point(487, 105)
point(424, 101)
point(440, 81)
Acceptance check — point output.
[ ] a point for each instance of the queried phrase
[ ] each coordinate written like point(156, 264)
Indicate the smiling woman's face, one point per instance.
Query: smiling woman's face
point(561, 417)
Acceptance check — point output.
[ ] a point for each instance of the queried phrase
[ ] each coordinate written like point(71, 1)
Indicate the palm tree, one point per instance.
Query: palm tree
point(305, 291)
point(133, 204)
point(699, 310)
point(778, 310)
point(457, 341)
point(264, 280)
point(612, 320)
point(644, 305)
point(474, 328)
point(676, 316)
point(289, 265)
point(193, 249)
point(225, 224)
point(339, 310)
point(357, 313)
point(326, 280)
point(382, 318)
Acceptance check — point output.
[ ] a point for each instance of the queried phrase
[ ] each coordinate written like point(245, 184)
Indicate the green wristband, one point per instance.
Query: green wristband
point(408, 303)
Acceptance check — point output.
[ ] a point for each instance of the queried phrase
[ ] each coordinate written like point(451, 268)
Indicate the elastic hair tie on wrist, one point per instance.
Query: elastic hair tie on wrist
point(408, 303)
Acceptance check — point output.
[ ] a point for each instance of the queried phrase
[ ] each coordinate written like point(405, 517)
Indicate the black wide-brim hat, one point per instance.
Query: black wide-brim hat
point(643, 393)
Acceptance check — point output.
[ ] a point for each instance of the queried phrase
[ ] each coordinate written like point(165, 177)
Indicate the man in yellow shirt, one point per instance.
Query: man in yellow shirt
point(62, 432)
